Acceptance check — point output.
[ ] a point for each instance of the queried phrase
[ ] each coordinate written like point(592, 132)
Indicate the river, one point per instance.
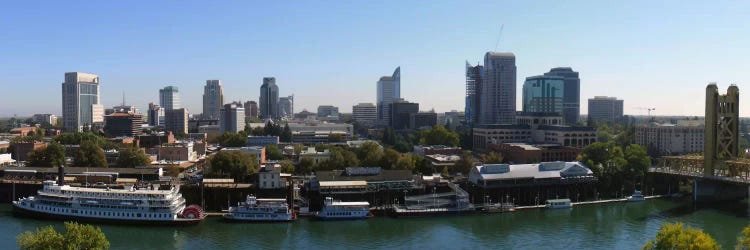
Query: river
point(604, 226)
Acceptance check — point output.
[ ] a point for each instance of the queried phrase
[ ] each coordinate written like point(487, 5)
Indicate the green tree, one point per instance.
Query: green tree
point(439, 135)
point(340, 159)
point(287, 166)
point(234, 163)
point(132, 156)
point(743, 242)
point(286, 134)
point(637, 160)
point(305, 166)
point(370, 154)
point(406, 162)
point(466, 162)
point(607, 161)
point(390, 157)
point(273, 153)
point(676, 236)
point(89, 155)
point(232, 140)
point(77, 236)
point(52, 155)
point(492, 158)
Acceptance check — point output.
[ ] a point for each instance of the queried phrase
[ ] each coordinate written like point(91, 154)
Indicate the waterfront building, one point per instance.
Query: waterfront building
point(262, 140)
point(80, 101)
point(605, 109)
point(543, 94)
point(388, 90)
point(365, 114)
point(685, 137)
point(571, 103)
point(498, 93)
point(269, 177)
point(269, 99)
point(213, 99)
point(232, 118)
point(401, 112)
point(155, 115)
point(362, 180)
point(123, 124)
point(44, 119)
point(473, 93)
point(251, 109)
point(169, 98)
point(525, 175)
point(176, 121)
point(286, 106)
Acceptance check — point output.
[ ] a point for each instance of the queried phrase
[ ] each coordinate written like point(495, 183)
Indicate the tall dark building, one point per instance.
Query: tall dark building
point(269, 99)
point(498, 92)
point(571, 103)
point(401, 113)
point(473, 93)
point(123, 124)
point(251, 109)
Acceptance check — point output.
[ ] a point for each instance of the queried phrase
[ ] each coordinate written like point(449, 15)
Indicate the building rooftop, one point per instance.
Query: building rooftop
point(544, 170)
point(383, 175)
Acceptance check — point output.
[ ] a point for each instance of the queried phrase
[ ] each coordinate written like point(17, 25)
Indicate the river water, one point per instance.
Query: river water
point(604, 226)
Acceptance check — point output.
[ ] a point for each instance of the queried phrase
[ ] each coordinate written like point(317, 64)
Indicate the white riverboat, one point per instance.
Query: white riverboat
point(637, 196)
point(260, 210)
point(559, 203)
point(339, 210)
point(131, 206)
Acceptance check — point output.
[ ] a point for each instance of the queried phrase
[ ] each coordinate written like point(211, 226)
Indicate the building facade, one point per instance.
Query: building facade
point(123, 124)
point(365, 113)
point(498, 93)
point(80, 101)
point(605, 109)
point(155, 115)
point(533, 128)
point(670, 139)
point(401, 112)
point(286, 106)
point(251, 109)
point(543, 94)
point(269, 99)
point(473, 93)
point(328, 111)
point(213, 99)
point(45, 119)
point(422, 120)
point(232, 118)
point(176, 121)
point(388, 90)
point(169, 98)
point(571, 93)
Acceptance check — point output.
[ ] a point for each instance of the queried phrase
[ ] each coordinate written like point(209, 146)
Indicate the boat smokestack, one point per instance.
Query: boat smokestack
point(60, 175)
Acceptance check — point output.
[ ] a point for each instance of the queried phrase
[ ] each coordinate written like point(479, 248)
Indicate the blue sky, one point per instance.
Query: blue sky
point(650, 53)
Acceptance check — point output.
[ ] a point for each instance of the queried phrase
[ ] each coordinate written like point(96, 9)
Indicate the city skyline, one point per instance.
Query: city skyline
point(618, 50)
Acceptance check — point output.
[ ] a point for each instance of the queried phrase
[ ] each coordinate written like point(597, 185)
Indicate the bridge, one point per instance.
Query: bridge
point(735, 171)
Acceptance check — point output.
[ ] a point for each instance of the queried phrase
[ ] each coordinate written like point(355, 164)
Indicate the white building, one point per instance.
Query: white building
point(312, 133)
point(671, 139)
point(80, 101)
point(389, 89)
point(497, 175)
point(258, 152)
point(365, 113)
point(317, 157)
point(232, 118)
point(49, 119)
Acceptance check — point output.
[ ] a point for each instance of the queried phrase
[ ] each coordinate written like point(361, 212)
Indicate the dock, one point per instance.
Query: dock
point(592, 202)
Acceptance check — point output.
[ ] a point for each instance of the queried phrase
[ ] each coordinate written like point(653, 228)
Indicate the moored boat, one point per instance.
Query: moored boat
point(260, 210)
point(637, 196)
point(559, 203)
point(339, 210)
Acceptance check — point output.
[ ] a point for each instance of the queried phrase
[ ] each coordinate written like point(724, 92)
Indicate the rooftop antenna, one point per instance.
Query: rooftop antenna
point(499, 35)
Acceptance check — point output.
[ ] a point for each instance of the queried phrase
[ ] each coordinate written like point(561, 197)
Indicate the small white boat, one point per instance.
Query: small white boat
point(500, 208)
point(339, 210)
point(559, 203)
point(637, 196)
point(261, 210)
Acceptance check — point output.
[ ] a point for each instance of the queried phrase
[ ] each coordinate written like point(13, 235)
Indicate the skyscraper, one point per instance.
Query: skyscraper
point(498, 92)
point(401, 112)
point(571, 93)
point(269, 99)
point(605, 109)
point(473, 93)
point(80, 101)
point(251, 109)
point(169, 98)
point(213, 98)
point(176, 121)
point(286, 106)
point(389, 89)
point(365, 113)
point(155, 115)
point(232, 118)
point(543, 94)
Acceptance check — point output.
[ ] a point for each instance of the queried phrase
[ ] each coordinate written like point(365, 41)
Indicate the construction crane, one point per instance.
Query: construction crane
point(648, 109)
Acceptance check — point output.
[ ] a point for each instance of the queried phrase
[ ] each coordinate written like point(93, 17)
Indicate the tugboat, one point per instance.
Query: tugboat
point(261, 210)
point(637, 196)
point(130, 206)
point(339, 210)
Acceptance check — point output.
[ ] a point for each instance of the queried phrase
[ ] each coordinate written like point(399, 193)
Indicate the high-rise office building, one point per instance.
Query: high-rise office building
point(80, 101)
point(605, 109)
point(286, 106)
point(176, 121)
point(155, 115)
point(571, 93)
point(269, 99)
point(251, 109)
point(213, 99)
point(328, 111)
point(169, 98)
point(498, 92)
point(126, 124)
point(365, 113)
point(473, 93)
point(401, 112)
point(232, 118)
point(543, 94)
point(389, 89)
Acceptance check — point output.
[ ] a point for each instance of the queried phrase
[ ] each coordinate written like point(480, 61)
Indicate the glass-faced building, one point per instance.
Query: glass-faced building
point(543, 94)
point(80, 101)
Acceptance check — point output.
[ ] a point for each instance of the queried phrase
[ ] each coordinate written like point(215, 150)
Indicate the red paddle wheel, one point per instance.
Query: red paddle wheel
point(193, 212)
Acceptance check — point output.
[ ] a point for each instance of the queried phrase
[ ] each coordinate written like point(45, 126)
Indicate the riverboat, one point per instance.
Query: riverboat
point(559, 203)
point(339, 210)
point(260, 210)
point(637, 196)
